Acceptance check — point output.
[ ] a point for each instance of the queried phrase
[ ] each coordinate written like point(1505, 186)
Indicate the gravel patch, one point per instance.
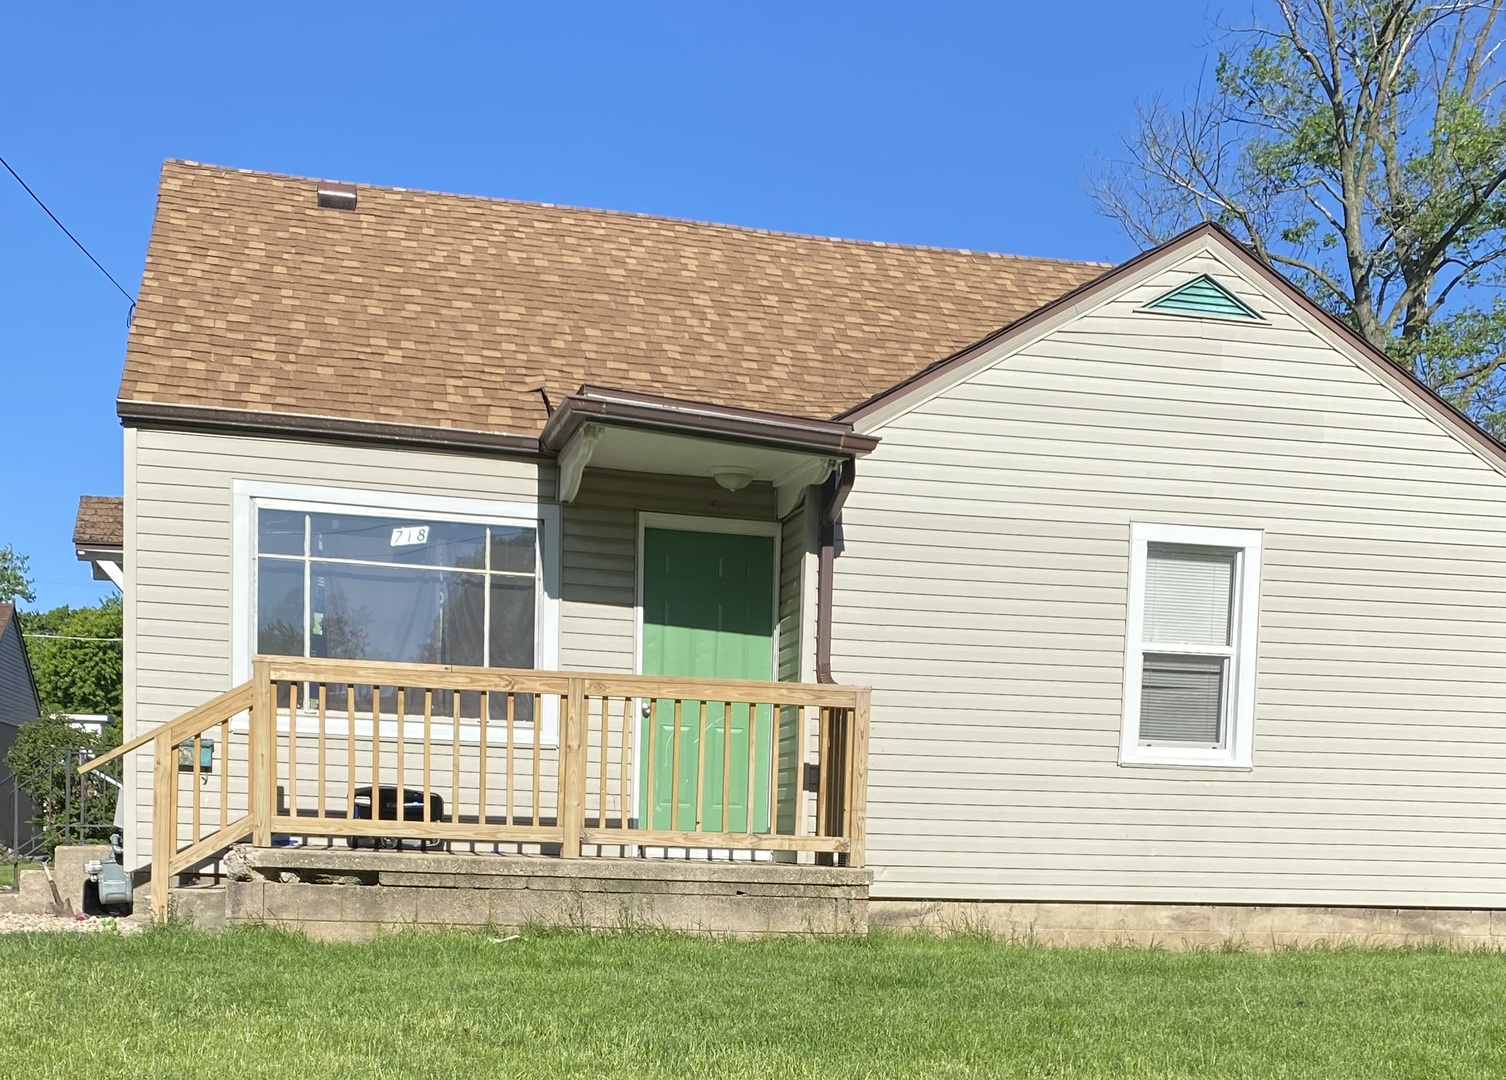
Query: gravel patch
point(28, 924)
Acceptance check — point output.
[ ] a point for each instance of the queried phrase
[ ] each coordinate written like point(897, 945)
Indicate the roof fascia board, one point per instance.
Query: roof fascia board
point(150, 414)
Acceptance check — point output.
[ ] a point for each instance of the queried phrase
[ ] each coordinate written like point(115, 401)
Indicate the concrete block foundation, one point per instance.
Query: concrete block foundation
point(356, 895)
point(1189, 926)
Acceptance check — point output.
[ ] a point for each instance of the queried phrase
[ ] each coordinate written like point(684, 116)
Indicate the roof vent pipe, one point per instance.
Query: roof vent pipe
point(334, 195)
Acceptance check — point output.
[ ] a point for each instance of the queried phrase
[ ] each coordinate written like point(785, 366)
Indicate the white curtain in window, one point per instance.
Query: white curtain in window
point(1187, 593)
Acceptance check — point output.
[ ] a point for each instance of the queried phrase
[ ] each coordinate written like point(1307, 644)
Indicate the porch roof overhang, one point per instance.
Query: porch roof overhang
point(635, 432)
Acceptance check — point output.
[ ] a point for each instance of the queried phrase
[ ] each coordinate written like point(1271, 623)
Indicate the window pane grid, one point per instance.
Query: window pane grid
point(400, 609)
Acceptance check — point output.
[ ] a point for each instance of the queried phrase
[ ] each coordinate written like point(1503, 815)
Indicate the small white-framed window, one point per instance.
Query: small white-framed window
point(356, 574)
point(1190, 646)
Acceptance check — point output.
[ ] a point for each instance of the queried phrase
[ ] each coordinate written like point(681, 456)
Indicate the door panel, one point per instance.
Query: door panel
point(708, 612)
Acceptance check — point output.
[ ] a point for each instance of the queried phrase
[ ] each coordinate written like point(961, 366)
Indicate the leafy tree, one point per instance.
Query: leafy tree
point(15, 577)
point(1360, 145)
point(69, 807)
point(76, 656)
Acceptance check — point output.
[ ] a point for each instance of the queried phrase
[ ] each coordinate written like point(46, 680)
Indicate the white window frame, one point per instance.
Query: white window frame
point(248, 495)
point(1238, 749)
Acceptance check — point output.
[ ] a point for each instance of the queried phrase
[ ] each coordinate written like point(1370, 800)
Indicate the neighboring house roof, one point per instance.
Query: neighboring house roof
point(418, 310)
point(100, 524)
point(19, 701)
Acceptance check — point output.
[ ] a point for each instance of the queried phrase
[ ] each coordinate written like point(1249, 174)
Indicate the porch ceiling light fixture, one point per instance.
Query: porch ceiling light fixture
point(733, 477)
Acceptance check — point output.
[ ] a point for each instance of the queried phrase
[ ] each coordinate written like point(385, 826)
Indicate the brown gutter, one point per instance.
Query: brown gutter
point(150, 413)
point(833, 497)
point(679, 416)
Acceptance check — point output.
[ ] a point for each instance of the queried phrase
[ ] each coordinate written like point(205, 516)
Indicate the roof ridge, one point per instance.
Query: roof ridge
point(644, 216)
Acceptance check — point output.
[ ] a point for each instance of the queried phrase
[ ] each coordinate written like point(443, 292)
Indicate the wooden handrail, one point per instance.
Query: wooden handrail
point(524, 681)
point(199, 718)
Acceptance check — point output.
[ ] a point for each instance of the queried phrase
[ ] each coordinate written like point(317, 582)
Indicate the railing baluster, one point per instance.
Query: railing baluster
point(350, 753)
point(648, 820)
point(823, 765)
point(727, 708)
point(224, 772)
point(674, 772)
point(428, 725)
point(623, 762)
point(376, 755)
point(601, 806)
point(455, 757)
point(751, 801)
point(538, 749)
point(486, 708)
point(198, 744)
point(801, 753)
point(700, 764)
point(401, 760)
point(508, 756)
point(774, 770)
point(293, 749)
point(322, 749)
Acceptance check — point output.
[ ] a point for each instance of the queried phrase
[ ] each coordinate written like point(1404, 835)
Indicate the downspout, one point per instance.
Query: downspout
point(833, 497)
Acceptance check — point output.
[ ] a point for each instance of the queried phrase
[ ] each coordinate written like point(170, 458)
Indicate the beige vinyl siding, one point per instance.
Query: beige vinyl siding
point(793, 545)
point(982, 593)
point(178, 552)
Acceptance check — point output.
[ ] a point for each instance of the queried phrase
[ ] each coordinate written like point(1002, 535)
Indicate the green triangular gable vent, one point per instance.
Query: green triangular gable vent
point(1203, 296)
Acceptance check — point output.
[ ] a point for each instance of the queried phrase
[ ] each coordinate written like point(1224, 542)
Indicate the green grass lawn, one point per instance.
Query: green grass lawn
point(259, 1003)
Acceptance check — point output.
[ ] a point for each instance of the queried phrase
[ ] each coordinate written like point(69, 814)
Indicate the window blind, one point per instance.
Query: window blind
point(1182, 699)
point(1187, 593)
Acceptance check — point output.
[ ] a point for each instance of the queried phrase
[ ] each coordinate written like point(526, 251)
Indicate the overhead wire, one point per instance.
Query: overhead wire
point(76, 242)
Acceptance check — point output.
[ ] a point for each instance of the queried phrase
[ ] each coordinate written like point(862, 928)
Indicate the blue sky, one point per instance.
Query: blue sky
point(957, 124)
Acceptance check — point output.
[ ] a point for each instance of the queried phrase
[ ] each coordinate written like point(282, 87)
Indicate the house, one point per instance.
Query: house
point(19, 704)
point(1167, 600)
point(97, 531)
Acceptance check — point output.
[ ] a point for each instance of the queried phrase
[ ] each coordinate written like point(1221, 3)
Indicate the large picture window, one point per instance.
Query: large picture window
point(408, 590)
point(1190, 646)
point(351, 582)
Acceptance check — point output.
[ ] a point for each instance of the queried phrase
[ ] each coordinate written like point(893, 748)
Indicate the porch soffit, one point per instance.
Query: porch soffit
point(735, 447)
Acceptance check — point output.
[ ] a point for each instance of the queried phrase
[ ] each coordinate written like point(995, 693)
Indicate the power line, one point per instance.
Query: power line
point(76, 242)
point(69, 637)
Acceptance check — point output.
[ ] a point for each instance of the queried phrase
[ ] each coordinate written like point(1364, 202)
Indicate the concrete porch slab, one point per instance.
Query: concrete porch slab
point(355, 894)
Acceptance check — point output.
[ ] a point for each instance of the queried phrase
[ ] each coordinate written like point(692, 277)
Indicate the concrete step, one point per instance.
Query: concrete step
point(199, 906)
point(30, 897)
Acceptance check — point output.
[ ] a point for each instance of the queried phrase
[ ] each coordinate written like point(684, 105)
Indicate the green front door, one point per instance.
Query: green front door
point(708, 612)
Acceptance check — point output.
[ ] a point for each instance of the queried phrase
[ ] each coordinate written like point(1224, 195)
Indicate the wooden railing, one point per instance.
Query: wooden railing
point(548, 762)
point(213, 813)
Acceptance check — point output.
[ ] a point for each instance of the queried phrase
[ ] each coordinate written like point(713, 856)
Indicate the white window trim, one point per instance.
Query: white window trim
point(1238, 751)
point(246, 495)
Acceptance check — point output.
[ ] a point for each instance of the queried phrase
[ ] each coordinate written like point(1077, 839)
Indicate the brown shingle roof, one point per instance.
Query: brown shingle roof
point(100, 522)
point(449, 311)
